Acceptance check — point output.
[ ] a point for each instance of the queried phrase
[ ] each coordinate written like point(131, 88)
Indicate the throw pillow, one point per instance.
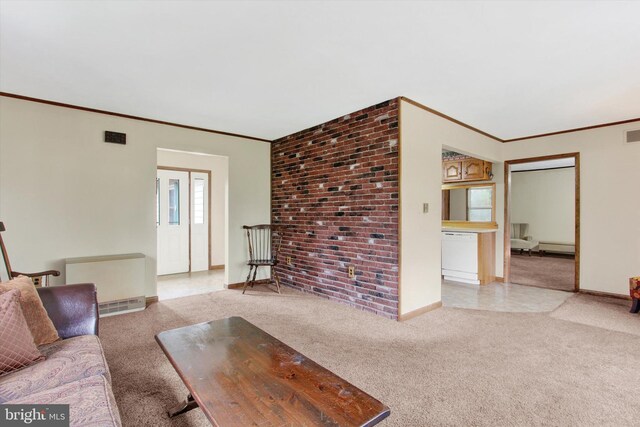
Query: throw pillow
point(40, 325)
point(17, 348)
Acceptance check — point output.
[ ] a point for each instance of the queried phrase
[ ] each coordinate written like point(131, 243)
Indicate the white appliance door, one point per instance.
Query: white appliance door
point(172, 192)
point(199, 221)
point(460, 252)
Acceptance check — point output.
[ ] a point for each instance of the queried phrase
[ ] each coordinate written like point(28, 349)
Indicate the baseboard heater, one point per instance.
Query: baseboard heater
point(557, 247)
point(120, 280)
point(121, 306)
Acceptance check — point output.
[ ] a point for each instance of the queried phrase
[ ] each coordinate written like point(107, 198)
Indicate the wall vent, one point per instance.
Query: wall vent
point(115, 137)
point(121, 306)
point(633, 136)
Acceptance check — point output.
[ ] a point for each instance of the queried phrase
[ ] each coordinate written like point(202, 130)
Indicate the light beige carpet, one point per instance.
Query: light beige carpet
point(604, 312)
point(450, 367)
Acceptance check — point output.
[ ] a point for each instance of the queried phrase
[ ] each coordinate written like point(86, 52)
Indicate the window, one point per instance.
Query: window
point(479, 204)
point(198, 201)
point(174, 202)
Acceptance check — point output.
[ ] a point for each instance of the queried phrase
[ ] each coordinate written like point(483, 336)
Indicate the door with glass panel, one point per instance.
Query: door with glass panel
point(199, 221)
point(172, 221)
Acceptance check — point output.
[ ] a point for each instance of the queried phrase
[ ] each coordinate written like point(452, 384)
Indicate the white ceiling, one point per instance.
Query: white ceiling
point(544, 164)
point(271, 68)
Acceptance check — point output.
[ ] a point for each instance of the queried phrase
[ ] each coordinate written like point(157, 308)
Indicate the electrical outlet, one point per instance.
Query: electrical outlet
point(289, 260)
point(352, 272)
point(425, 208)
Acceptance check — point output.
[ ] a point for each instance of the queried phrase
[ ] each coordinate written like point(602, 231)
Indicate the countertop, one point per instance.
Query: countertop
point(469, 230)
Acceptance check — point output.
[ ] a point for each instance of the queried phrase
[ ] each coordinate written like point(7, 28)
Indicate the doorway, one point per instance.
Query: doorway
point(542, 222)
point(183, 221)
point(192, 190)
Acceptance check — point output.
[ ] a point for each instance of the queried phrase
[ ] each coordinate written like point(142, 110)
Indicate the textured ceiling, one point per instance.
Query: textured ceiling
point(268, 68)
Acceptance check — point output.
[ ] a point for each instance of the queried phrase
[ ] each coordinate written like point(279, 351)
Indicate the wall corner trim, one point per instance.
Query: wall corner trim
point(419, 311)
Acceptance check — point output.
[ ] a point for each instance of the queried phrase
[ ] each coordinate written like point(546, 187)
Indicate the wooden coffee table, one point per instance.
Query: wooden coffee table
point(239, 375)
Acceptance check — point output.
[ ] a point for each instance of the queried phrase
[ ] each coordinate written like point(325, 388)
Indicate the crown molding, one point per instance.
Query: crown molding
point(128, 116)
point(541, 135)
point(560, 132)
point(237, 135)
point(451, 119)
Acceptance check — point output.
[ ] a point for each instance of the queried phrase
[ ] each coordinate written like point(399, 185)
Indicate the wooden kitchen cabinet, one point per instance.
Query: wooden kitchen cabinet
point(466, 170)
point(472, 169)
point(452, 171)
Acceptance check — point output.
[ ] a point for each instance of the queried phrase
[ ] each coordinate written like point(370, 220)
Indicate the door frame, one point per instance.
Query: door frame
point(208, 172)
point(507, 211)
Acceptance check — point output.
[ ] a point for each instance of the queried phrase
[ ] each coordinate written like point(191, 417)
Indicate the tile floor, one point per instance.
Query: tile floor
point(502, 297)
point(186, 284)
point(494, 297)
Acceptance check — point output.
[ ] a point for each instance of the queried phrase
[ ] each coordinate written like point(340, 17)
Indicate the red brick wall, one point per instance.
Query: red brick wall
point(336, 184)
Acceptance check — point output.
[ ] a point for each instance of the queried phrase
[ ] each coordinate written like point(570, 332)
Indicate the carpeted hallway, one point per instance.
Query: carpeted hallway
point(552, 272)
point(448, 367)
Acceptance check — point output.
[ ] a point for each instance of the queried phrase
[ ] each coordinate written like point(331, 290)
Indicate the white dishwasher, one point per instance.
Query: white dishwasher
point(460, 257)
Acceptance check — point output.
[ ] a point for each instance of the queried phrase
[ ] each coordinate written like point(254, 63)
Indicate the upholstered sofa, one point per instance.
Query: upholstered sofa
point(634, 291)
point(74, 370)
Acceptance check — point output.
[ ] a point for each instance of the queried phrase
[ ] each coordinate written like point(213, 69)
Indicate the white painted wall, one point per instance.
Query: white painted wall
point(610, 201)
point(420, 182)
point(544, 199)
point(218, 165)
point(423, 136)
point(65, 193)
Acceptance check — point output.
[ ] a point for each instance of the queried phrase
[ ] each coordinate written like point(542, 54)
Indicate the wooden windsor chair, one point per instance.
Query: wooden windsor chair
point(40, 278)
point(264, 242)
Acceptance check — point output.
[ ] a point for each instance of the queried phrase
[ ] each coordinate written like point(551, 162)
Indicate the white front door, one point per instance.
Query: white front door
point(199, 221)
point(172, 192)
